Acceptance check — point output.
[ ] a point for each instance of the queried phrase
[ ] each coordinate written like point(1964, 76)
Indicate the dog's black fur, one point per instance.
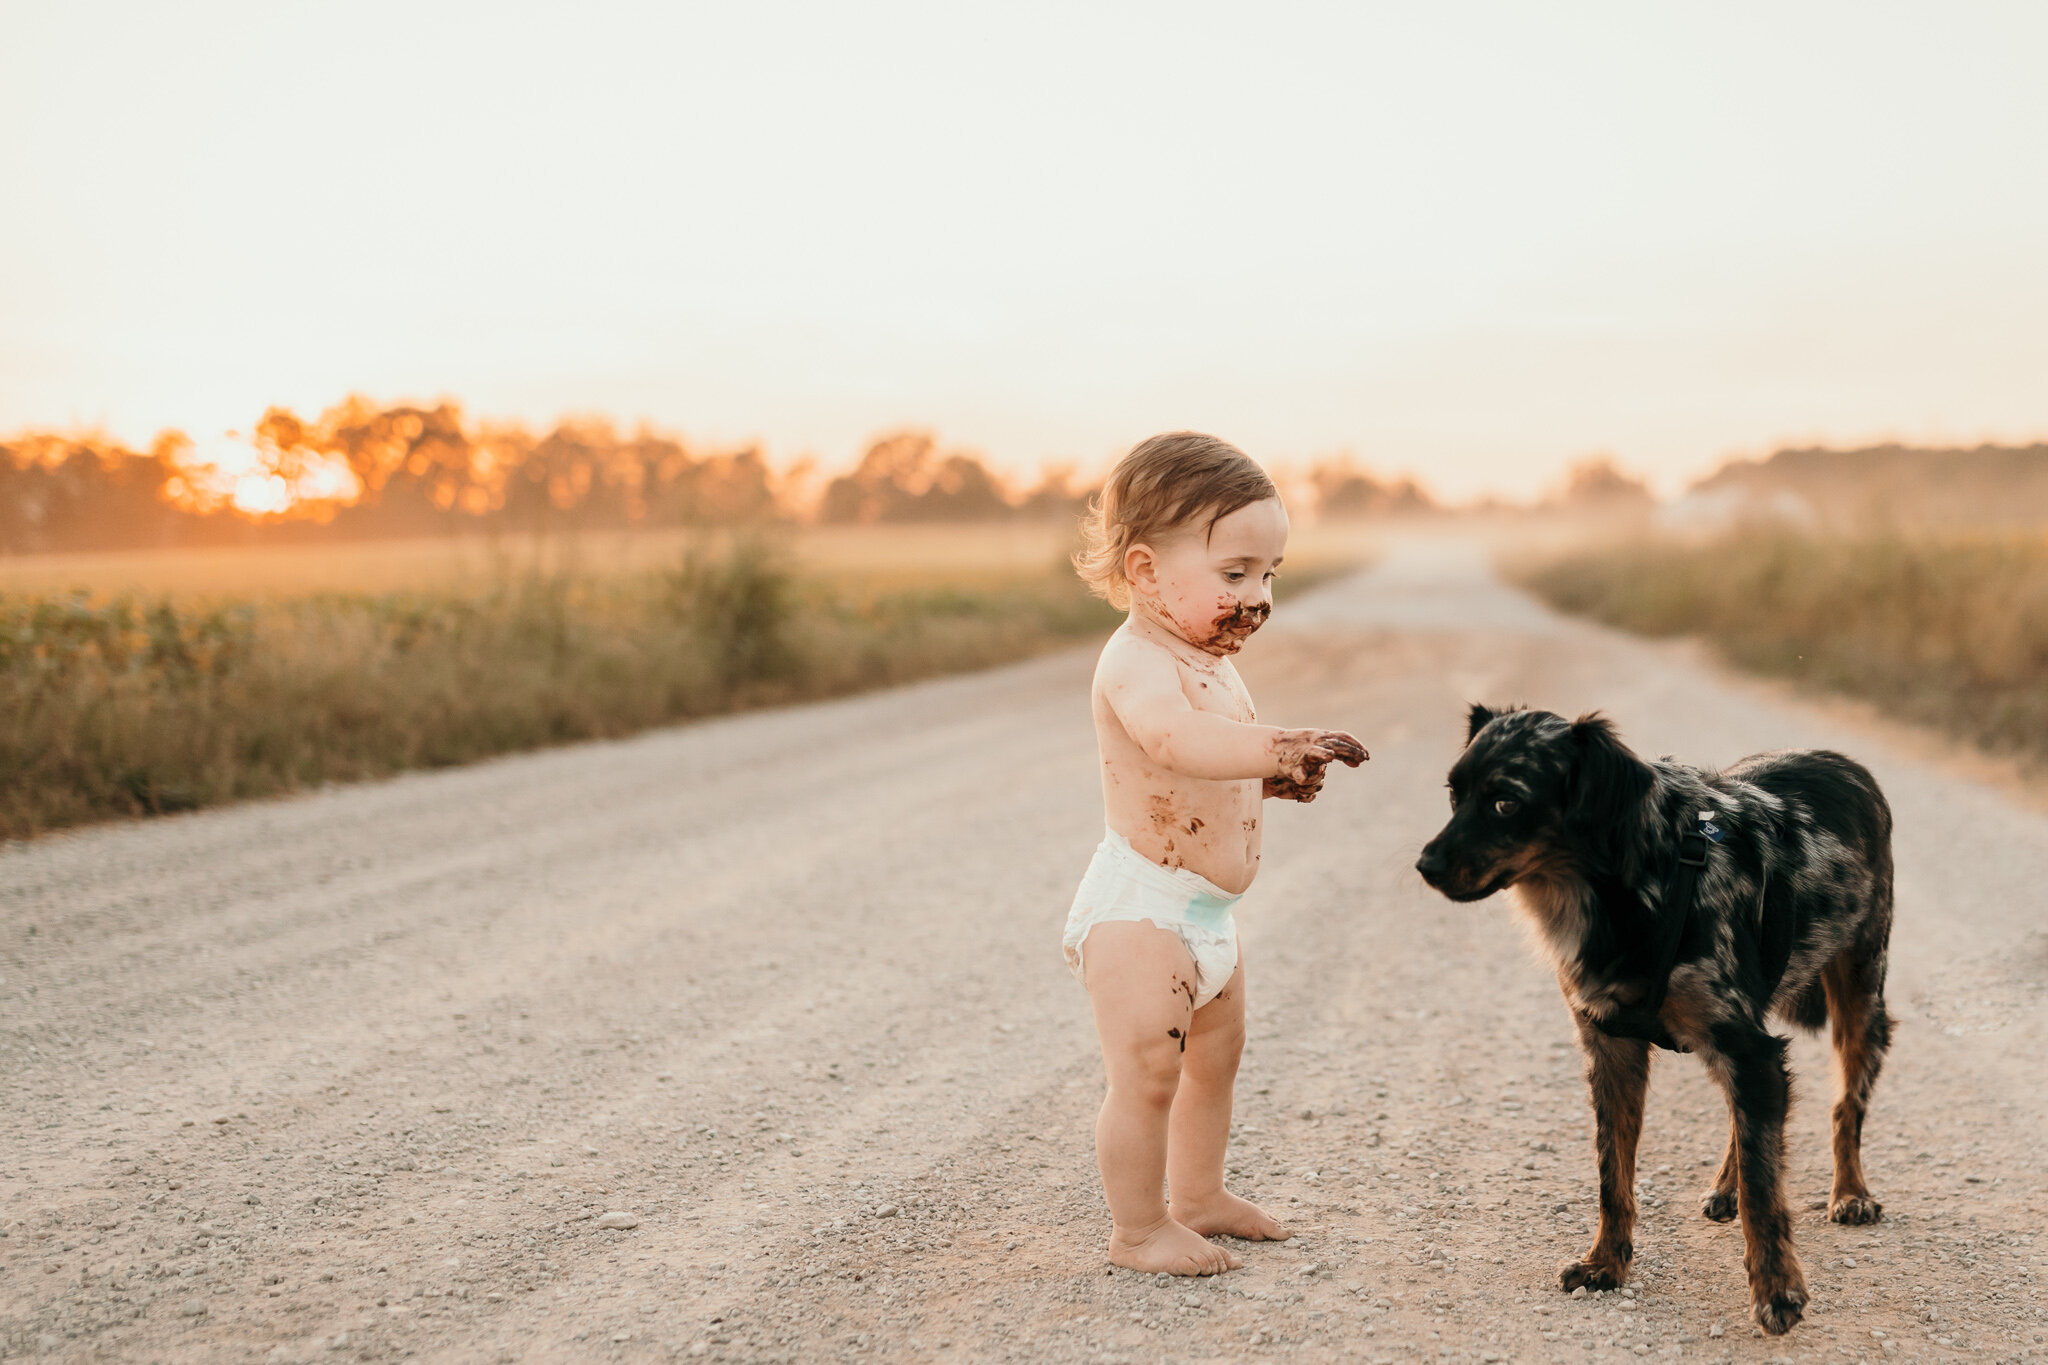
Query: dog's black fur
point(1588, 833)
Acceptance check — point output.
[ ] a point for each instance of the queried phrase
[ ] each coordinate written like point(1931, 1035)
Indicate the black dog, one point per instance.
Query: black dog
point(1682, 908)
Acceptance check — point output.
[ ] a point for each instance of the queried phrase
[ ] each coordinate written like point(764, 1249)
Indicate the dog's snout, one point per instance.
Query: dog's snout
point(1431, 864)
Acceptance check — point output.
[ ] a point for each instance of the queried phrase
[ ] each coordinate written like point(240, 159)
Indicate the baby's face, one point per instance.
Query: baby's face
point(1215, 590)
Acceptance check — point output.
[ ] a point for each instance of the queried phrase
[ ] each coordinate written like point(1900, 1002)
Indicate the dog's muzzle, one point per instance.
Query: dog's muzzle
point(1436, 870)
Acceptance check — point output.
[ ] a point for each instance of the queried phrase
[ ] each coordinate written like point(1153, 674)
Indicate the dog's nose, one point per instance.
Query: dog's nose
point(1430, 865)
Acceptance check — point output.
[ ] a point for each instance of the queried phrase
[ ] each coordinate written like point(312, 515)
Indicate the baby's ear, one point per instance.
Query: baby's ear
point(1141, 566)
point(1475, 721)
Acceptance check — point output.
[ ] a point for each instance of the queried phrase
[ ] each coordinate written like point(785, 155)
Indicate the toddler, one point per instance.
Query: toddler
point(1187, 536)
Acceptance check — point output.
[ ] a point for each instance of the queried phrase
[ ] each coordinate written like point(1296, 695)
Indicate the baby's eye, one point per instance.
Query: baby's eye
point(1233, 575)
point(1507, 805)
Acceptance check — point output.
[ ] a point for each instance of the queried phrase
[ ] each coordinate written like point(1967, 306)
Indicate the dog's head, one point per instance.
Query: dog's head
point(1533, 792)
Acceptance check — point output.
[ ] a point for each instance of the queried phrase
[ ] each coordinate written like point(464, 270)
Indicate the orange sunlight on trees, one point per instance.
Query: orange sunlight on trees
point(363, 471)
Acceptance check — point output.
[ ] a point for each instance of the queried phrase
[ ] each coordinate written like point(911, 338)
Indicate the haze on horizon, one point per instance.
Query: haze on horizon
point(1471, 242)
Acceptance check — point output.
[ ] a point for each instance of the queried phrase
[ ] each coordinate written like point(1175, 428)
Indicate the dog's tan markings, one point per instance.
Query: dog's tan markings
point(1693, 1003)
point(1618, 1074)
point(1554, 903)
point(1718, 1203)
point(1860, 1029)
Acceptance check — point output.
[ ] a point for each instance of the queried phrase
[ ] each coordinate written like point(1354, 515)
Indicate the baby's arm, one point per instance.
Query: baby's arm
point(1142, 685)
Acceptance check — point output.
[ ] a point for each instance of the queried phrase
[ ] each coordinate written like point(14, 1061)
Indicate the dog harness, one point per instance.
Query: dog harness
point(1772, 940)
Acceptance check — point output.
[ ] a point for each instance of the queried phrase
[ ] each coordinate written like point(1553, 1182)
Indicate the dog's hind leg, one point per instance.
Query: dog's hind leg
point(1750, 1062)
point(1862, 1031)
point(1719, 1202)
point(1618, 1074)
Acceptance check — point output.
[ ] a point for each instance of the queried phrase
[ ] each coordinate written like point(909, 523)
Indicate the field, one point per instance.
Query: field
point(1943, 629)
point(151, 683)
point(905, 555)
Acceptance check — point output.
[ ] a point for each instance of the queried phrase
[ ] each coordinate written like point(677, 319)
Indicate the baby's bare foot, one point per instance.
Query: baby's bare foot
point(1170, 1248)
point(1224, 1214)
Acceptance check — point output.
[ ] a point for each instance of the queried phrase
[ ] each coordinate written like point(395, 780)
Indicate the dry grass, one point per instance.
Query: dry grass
point(246, 673)
point(907, 556)
point(904, 556)
point(1947, 630)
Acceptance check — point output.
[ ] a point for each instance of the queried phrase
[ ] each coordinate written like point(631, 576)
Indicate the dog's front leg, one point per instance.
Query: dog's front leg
point(1750, 1063)
point(1618, 1074)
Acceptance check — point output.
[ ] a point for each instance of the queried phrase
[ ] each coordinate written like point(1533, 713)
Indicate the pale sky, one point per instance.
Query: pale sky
point(1472, 241)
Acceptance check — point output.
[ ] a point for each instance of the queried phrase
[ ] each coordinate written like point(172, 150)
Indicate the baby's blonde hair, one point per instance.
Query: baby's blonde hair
point(1163, 483)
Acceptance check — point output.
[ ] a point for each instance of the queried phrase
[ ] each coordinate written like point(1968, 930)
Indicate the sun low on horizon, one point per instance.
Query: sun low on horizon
point(1468, 244)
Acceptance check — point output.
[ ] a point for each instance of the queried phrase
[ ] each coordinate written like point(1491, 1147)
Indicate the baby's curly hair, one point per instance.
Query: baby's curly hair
point(1164, 482)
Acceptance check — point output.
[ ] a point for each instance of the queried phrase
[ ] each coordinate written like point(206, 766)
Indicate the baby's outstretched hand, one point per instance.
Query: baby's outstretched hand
point(1303, 757)
point(1342, 747)
point(1287, 789)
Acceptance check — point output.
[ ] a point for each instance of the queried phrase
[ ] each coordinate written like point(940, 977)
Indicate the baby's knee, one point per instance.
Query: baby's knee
point(1220, 1047)
point(1149, 1076)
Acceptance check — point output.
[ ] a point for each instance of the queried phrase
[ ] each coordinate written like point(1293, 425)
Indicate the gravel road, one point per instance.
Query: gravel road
point(358, 1075)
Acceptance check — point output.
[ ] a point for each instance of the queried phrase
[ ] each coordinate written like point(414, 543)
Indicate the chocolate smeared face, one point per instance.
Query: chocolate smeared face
point(1213, 587)
point(1236, 625)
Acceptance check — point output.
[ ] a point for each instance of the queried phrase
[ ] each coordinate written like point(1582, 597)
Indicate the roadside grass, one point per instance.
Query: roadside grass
point(135, 704)
point(1945, 630)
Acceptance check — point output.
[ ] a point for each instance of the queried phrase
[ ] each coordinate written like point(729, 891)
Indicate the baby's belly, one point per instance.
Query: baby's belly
point(1212, 833)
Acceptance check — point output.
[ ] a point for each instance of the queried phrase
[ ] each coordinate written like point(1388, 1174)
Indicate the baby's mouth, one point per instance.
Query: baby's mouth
point(1245, 619)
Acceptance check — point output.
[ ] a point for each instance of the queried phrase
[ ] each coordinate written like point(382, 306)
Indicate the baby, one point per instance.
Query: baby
point(1187, 535)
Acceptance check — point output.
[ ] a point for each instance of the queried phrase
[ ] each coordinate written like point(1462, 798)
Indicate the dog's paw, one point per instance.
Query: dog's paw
point(1718, 1205)
point(1593, 1274)
point(1855, 1209)
point(1779, 1311)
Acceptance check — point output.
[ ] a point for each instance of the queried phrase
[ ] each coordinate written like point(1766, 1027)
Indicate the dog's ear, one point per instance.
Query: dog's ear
point(1609, 784)
point(1475, 721)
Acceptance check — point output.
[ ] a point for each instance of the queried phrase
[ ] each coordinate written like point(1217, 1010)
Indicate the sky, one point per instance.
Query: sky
point(1470, 241)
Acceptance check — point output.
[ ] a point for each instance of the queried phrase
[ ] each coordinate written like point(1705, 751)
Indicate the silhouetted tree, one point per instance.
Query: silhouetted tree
point(904, 478)
point(1343, 490)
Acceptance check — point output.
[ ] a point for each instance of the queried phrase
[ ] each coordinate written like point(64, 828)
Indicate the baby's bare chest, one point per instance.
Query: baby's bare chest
point(1220, 693)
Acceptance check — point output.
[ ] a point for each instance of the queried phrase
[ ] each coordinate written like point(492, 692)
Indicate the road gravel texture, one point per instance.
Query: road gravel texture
point(360, 1075)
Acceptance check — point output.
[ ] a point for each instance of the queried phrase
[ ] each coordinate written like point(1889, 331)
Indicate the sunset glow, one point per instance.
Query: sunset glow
point(232, 471)
point(1471, 243)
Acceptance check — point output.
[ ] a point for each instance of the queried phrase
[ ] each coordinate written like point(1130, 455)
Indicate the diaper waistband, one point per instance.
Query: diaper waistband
point(1207, 903)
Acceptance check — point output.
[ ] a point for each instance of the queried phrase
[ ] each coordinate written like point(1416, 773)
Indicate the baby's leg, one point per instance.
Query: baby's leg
point(1137, 978)
point(1199, 1133)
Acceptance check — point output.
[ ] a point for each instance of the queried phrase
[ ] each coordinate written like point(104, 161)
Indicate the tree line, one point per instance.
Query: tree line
point(361, 471)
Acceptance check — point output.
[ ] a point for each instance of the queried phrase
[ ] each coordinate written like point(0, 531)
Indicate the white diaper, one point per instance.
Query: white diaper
point(1123, 886)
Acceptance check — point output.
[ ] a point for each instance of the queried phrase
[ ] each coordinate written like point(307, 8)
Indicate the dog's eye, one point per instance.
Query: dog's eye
point(1507, 805)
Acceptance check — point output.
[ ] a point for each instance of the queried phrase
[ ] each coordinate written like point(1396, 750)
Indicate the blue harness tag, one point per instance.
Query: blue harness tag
point(1710, 829)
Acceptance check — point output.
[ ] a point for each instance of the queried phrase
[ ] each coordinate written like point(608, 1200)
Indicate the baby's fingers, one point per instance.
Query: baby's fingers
point(1286, 789)
point(1310, 767)
point(1343, 747)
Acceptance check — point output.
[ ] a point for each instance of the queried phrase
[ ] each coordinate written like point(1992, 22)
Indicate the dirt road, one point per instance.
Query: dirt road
point(356, 1076)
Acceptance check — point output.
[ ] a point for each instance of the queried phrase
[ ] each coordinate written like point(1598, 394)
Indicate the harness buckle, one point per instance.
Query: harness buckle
point(1692, 849)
